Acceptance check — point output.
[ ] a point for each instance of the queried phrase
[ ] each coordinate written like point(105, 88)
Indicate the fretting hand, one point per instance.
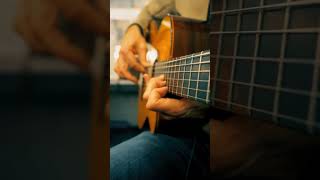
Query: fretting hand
point(172, 108)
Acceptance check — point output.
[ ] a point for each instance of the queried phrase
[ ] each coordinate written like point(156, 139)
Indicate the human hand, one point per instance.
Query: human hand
point(172, 108)
point(133, 43)
point(36, 22)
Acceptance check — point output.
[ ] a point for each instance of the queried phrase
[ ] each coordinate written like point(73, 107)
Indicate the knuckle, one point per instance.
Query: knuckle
point(150, 106)
point(145, 96)
point(121, 72)
point(151, 83)
point(152, 80)
point(123, 51)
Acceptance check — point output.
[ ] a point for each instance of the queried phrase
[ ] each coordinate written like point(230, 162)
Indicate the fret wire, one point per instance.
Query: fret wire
point(218, 55)
point(208, 86)
point(192, 80)
point(280, 69)
point(189, 96)
point(257, 41)
point(196, 70)
point(169, 76)
point(312, 108)
point(198, 78)
point(208, 91)
point(287, 60)
point(295, 91)
point(184, 71)
point(236, 39)
point(198, 63)
point(266, 112)
point(207, 52)
point(176, 73)
point(174, 69)
point(202, 71)
point(188, 91)
point(270, 6)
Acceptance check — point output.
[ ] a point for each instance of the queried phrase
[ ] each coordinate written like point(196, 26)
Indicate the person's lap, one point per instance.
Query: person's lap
point(160, 156)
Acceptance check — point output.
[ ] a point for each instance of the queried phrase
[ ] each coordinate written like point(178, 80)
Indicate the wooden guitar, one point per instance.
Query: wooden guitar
point(262, 70)
point(184, 59)
point(236, 76)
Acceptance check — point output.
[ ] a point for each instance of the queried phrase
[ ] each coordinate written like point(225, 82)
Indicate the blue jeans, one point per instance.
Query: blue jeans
point(160, 156)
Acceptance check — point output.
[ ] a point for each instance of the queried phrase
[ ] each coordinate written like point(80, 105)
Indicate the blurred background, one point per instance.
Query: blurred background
point(44, 110)
point(123, 93)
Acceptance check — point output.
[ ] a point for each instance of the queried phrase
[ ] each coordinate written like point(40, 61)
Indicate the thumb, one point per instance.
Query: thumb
point(142, 52)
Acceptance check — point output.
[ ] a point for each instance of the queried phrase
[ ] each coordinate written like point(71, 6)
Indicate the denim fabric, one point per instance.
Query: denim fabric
point(160, 156)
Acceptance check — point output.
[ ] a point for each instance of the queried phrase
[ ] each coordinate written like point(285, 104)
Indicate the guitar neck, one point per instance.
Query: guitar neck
point(187, 76)
point(236, 88)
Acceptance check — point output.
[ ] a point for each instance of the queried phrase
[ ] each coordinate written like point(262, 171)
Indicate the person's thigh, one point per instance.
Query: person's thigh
point(159, 156)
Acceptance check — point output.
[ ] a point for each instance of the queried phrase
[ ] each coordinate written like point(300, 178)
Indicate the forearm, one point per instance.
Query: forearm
point(154, 9)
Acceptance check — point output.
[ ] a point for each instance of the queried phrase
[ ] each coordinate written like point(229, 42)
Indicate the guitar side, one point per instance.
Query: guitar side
point(175, 37)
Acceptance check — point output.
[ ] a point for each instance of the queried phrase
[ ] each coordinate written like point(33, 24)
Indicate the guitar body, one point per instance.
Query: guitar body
point(176, 36)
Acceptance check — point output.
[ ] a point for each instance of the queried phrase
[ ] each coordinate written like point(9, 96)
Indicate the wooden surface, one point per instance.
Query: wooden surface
point(175, 37)
point(239, 145)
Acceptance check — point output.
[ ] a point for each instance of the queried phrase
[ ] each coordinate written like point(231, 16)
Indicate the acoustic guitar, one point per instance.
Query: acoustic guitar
point(238, 74)
point(184, 59)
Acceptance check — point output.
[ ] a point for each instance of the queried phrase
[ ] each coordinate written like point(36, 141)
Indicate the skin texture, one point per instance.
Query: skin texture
point(132, 44)
point(171, 108)
point(36, 22)
point(133, 54)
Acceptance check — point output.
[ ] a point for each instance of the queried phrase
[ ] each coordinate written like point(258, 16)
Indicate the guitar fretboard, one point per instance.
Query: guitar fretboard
point(266, 60)
point(187, 76)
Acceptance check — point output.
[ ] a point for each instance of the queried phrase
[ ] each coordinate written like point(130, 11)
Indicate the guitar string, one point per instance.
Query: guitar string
point(172, 74)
